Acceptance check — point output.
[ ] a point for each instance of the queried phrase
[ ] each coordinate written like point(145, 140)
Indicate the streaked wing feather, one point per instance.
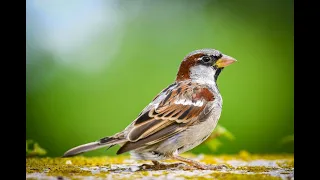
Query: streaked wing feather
point(167, 132)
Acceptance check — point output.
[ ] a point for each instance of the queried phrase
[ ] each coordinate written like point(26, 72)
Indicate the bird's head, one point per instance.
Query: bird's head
point(203, 65)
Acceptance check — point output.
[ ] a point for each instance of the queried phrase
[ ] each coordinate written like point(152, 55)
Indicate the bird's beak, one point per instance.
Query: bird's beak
point(225, 61)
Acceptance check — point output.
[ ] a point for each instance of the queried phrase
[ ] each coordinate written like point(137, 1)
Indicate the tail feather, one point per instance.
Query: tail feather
point(82, 148)
point(107, 141)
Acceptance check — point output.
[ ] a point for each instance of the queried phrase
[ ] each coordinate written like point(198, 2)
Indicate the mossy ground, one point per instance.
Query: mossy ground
point(242, 166)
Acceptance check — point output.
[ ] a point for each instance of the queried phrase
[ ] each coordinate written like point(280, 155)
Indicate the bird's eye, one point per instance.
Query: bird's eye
point(206, 59)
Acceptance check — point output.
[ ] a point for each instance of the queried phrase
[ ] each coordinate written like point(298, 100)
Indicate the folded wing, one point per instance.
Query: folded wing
point(176, 106)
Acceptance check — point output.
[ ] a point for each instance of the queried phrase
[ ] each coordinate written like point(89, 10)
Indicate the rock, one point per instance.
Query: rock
point(240, 166)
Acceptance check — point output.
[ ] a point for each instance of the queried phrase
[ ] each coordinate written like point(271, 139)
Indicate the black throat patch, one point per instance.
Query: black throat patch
point(216, 75)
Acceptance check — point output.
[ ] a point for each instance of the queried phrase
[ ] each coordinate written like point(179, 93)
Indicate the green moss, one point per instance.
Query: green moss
point(144, 173)
point(59, 166)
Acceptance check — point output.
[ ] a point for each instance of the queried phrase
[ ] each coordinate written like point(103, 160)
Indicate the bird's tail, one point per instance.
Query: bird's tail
point(104, 142)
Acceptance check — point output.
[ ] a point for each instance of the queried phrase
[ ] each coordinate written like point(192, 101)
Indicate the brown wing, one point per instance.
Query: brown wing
point(173, 108)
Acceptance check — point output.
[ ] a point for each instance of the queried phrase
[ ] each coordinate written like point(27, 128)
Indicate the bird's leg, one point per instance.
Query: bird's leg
point(198, 164)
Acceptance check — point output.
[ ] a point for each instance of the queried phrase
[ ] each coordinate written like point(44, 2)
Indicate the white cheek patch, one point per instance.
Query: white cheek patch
point(202, 74)
point(189, 102)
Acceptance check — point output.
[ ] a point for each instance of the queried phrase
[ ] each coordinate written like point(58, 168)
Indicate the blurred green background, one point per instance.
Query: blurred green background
point(92, 66)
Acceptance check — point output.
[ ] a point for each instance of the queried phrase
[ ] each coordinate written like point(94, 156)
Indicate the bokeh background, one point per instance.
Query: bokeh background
point(92, 66)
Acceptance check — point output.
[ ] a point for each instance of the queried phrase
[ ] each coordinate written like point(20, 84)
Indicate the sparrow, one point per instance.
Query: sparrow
point(179, 118)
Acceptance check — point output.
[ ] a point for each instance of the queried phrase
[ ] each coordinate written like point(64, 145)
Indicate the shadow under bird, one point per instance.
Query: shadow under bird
point(179, 118)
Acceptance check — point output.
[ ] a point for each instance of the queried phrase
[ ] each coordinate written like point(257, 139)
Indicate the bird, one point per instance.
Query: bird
point(179, 118)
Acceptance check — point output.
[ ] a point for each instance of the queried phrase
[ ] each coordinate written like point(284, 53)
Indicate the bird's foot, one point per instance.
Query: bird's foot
point(199, 165)
point(160, 166)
